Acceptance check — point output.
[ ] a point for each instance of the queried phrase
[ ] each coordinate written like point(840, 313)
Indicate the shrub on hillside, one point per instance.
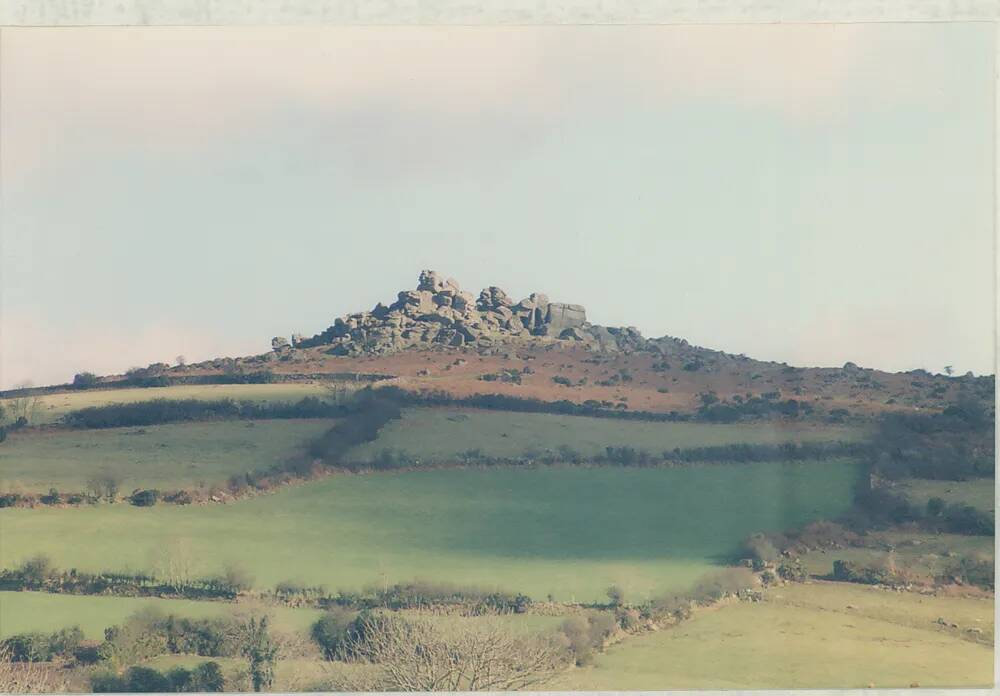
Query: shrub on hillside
point(587, 633)
point(758, 547)
point(955, 444)
point(84, 380)
point(965, 519)
point(28, 647)
point(332, 632)
point(144, 498)
point(714, 586)
point(971, 570)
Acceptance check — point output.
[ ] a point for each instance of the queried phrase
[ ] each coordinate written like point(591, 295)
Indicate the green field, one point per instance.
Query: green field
point(926, 554)
point(440, 435)
point(160, 456)
point(820, 635)
point(979, 493)
point(52, 407)
point(22, 612)
point(568, 531)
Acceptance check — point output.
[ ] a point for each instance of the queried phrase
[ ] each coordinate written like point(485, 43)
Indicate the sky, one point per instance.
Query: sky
point(811, 194)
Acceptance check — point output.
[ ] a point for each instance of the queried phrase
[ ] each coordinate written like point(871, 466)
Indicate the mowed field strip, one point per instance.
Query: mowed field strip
point(52, 407)
point(817, 635)
point(568, 531)
point(442, 434)
point(182, 455)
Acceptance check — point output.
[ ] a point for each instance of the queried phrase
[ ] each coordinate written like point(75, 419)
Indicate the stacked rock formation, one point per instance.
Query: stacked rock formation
point(440, 312)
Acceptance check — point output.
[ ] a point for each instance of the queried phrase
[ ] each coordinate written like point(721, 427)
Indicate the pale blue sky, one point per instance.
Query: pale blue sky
point(809, 194)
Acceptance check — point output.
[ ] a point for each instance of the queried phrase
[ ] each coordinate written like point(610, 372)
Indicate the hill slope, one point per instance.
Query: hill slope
point(439, 337)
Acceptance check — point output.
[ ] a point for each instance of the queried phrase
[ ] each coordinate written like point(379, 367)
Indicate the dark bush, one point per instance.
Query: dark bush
point(28, 647)
point(935, 506)
point(970, 570)
point(177, 498)
point(146, 680)
point(40, 647)
point(332, 632)
point(965, 519)
point(84, 380)
point(207, 678)
point(145, 498)
point(956, 444)
point(108, 682)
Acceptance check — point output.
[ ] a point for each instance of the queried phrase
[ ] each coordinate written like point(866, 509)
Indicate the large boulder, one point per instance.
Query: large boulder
point(430, 281)
point(492, 298)
point(463, 301)
point(560, 317)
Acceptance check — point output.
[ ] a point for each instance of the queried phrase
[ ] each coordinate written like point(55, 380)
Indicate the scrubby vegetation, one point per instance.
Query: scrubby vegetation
point(158, 411)
point(955, 444)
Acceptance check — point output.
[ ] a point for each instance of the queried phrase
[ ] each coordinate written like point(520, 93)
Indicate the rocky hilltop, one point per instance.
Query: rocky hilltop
point(440, 312)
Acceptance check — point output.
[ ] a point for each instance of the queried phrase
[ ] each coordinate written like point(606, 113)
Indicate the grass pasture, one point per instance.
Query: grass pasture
point(925, 554)
point(441, 434)
point(52, 407)
point(21, 612)
point(979, 493)
point(160, 456)
point(818, 635)
point(568, 531)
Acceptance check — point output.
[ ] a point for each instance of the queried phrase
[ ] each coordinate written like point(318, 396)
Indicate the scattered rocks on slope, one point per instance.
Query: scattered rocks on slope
point(439, 312)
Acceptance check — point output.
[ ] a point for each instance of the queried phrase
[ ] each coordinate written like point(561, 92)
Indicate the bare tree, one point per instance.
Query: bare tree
point(104, 486)
point(27, 677)
point(339, 392)
point(949, 370)
point(174, 562)
point(24, 405)
point(423, 655)
point(180, 360)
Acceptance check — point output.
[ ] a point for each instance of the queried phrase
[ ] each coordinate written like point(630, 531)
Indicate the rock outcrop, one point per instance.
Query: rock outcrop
point(440, 312)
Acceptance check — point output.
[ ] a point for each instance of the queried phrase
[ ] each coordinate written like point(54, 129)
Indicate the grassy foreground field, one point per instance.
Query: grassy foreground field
point(52, 407)
point(567, 531)
point(820, 635)
point(161, 456)
point(435, 434)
